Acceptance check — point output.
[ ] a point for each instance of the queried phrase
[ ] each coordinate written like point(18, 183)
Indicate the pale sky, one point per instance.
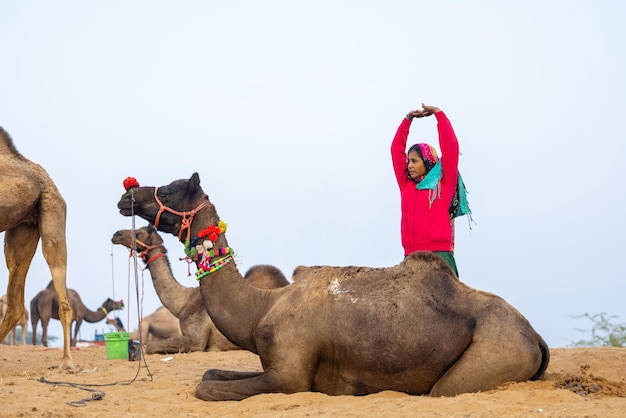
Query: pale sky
point(287, 111)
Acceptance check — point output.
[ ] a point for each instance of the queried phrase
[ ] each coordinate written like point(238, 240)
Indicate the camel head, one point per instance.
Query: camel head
point(145, 237)
point(116, 322)
point(111, 305)
point(165, 207)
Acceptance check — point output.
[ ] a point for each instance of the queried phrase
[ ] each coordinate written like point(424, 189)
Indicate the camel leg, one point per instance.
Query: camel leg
point(172, 345)
point(293, 374)
point(44, 331)
point(242, 388)
point(76, 328)
point(34, 318)
point(54, 249)
point(216, 374)
point(20, 244)
point(23, 335)
point(487, 364)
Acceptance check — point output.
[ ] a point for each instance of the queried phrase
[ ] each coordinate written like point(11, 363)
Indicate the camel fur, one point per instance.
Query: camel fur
point(23, 323)
point(413, 327)
point(45, 305)
point(32, 209)
point(160, 325)
point(198, 331)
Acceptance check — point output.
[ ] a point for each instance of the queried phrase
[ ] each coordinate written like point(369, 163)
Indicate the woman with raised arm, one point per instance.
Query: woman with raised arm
point(432, 192)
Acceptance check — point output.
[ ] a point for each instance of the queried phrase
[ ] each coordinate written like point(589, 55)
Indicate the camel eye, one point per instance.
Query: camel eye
point(163, 195)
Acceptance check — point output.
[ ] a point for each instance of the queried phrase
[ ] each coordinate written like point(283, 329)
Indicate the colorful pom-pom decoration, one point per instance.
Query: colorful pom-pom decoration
point(130, 183)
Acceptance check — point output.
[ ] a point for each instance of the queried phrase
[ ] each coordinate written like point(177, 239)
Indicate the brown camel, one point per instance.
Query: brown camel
point(23, 323)
point(45, 305)
point(198, 331)
point(32, 209)
point(116, 323)
point(159, 325)
point(413, 327)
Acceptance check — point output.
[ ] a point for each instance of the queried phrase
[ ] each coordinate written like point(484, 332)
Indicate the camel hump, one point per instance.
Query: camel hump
point(7, 145)
point(428, 257)
point(266, 276)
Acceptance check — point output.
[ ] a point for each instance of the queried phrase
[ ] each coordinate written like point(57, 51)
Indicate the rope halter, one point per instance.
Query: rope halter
point(187, 217)
point(144, 254)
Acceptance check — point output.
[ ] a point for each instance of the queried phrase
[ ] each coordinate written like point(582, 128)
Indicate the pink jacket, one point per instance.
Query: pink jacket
point(425, 226)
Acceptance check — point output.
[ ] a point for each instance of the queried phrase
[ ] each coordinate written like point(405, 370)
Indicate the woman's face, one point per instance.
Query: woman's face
point(415, 165)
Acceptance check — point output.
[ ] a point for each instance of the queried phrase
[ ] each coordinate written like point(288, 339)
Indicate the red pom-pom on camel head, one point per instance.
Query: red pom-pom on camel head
point(130, 183)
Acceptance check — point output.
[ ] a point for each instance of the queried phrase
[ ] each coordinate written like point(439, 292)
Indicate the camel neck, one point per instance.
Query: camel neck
point(95, 316)
point(226, 291)
point(172, 294)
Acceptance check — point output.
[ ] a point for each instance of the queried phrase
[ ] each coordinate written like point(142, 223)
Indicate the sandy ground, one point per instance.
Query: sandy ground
point(580, 382)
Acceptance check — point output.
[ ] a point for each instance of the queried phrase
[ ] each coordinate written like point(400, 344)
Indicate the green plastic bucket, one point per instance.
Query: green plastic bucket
point(116, 345)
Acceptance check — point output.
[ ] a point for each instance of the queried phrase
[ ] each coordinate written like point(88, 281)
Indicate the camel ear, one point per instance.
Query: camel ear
point(194, 183)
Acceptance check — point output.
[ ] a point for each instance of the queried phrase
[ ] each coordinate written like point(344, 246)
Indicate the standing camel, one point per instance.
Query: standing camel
point(45, 305)
point(23, 323)
point(413, 327)
point(198, 331)
point(32, 209)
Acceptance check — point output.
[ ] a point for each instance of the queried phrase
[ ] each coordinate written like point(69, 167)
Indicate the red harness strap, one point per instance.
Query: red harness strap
point(187, 217)
point(144, 254)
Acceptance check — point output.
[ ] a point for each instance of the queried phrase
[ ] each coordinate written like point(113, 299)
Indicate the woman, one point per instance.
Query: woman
point(432, 192)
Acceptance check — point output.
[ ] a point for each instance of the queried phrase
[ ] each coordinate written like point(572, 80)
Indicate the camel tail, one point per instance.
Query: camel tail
point(545, 359)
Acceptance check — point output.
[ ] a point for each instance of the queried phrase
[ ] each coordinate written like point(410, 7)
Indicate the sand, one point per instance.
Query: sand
point(580, 382)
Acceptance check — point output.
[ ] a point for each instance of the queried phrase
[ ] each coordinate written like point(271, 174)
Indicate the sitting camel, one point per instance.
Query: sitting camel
point(413, 327)
point(116, 323)
point(160, 325)
point(198, 331)
point(23, 323)
point(45, 305)
point(32, 209)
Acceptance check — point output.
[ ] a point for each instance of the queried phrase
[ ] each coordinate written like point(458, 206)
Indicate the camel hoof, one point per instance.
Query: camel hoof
point(67, 366)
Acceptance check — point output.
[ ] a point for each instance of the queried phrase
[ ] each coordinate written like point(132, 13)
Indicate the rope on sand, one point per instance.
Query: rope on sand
point(98, 395)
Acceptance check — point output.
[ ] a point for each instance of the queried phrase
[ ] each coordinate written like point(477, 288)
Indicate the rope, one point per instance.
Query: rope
point(113, 273)
point(97, 395)
point(139, 301)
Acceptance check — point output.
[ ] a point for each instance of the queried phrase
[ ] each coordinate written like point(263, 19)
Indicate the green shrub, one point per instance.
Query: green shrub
point(604, 333)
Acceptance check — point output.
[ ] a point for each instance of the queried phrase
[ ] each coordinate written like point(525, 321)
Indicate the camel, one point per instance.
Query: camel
point(45, 306)
point(23, 323)
point(198, 331)
point(413, 327)
point(32, 209)
point(116, 323)
point(160, 325)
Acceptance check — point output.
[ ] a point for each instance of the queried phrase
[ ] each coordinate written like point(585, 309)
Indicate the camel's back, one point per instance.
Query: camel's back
point(23, 183)
point(162, 321)
point(418, 275)
point(420, 287)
